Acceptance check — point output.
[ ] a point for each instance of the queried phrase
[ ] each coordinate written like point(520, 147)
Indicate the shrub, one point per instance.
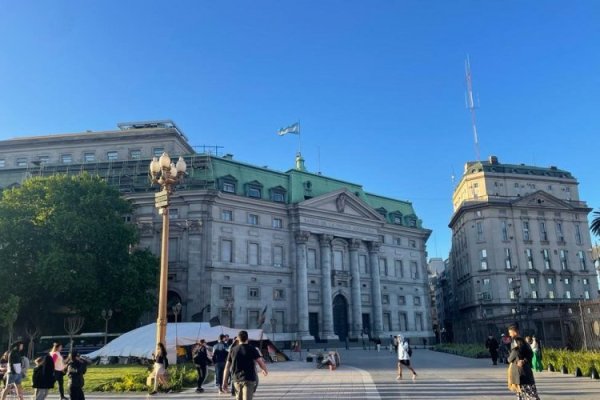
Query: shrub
point(462, 349)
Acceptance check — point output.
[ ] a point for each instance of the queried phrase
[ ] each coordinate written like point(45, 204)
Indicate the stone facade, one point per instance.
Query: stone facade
point(520, 242)
point(300, 254)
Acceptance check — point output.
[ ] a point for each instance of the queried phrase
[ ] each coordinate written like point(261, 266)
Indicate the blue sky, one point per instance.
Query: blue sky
point(378, 86)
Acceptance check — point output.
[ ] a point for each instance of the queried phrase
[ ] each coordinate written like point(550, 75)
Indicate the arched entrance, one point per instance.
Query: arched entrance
point(340, 317)
point(173, 307)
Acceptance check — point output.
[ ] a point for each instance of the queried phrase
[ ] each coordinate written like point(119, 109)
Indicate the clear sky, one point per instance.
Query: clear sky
point(378, 86)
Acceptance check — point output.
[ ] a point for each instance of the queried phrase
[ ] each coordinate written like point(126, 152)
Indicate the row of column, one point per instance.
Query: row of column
point(356, 308)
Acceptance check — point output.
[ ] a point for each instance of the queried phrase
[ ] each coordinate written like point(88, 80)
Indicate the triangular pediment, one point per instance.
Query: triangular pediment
point(342, 202)
point(541, 199)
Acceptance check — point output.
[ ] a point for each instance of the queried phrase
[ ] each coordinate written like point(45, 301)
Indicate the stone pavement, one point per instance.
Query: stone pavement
point(371, 375)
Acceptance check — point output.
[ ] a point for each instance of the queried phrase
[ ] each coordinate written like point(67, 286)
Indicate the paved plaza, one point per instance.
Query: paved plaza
point(367, 374)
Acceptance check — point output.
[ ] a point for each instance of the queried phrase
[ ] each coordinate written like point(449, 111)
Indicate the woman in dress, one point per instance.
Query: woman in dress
point(537, 355)
point(159, 371)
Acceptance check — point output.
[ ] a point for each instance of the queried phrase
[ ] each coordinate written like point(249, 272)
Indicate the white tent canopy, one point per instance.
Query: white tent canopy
point(141, 342)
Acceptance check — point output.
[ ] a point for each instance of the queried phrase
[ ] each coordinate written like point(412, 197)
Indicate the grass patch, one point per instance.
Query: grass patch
point(463, 349)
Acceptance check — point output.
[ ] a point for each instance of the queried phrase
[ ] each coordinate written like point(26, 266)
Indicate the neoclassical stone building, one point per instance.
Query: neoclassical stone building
point(521, 247)
point(306, 256)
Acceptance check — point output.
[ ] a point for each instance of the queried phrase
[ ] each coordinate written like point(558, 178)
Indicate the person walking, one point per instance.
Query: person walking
point(520, 375)
point(14, 372)
point(159, 371)
point(76, 368)
point(492, 345)
point(43, 376)
point(404, 355)
point(536, 362)
point(241, 364)
point(201, 360)
point(59, 368)
point(219, 359)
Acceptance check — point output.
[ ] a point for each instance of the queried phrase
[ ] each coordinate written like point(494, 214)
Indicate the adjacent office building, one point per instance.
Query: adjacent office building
point(303, 255)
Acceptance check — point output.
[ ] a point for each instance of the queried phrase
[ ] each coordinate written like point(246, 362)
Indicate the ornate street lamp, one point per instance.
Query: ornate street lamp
point(106, 315)
point(166, 174)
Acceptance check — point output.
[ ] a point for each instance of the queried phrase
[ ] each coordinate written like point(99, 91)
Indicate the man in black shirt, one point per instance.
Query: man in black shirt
point(241, 365)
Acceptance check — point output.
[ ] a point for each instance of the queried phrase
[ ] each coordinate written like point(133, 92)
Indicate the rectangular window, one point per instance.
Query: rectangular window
point(227, 215)
point(278, 294)
point(228, 187)
point(563, 259)
point(44, 160)
point(550, 281)
point(362, 264)
point(158, 151)
point(278, 197)
point(534, 294)
point(21, 162)
point(543, 232)
point(417, 301)
point(507, 259)
point(254, 192)
point(173, 250)
point(418, 321)
point(399, 268)
point(504, 230)
point(254, 293)
point(586, 294)
point(486, 283)
point(311, 259)
point(338, 260)
point(173, 213)
point(2, 163)
point(226, 292)
point(567, 294)
point(135, 154)
point(550, 294)
point(397, 241)
point(253, 316)
point(253, 219)
point(529, 255)
point(365, 299)
point(526, 230)
point(226, 251)
point(412, 243)
point(89, 157)
point(112, 156)
point(559, 232)
point(402, 322)
point(585, 281)
point(66, 158)
point(383, 267)
point(581, 258)
point(277, 223)
point(483, 258)
point(387, 322)
point(414, 270)
point(253, 256)
point(385, 299)
point(578, 235)
point(278, 256)
point(567, 281)
point(401, 300)
point(546, 256)
point(278, 321)
point(479, 231)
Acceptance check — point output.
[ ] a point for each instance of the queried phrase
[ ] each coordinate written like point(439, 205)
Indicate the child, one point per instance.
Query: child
point(43, 376)
point(76, 367)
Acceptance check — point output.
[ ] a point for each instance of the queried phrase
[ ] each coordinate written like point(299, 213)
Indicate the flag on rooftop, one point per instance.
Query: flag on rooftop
point(294, 128)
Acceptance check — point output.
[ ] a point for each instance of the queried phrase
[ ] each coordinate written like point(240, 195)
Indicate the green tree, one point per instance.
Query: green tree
point(595, 227)
point(65, 247)
point(9, 310)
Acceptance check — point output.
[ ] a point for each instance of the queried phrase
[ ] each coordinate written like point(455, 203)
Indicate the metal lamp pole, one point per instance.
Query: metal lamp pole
point(166, 174)
point(106, 315)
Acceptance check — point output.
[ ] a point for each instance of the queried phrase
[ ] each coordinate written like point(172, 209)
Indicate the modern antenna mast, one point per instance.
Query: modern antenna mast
point(470, 103)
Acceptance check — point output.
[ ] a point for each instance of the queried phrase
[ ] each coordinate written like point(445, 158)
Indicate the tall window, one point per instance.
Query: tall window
point(226, 250)
point(387, 322)
point(277, 223)
point(252, 219)
point(417, 301)
point(414, 270)
point(483, 259)
point(543, 231)
point(578, 234)
point(278, 294)
point(399, 268)
point(507, 259)
point(546, 255)
point(529, 255)
point(504, 230)
point(511, 291)
point(278, 256)
point(383, 267)
point(362, 264)
point(311, 259)
point(418, 321)
point(559, 232)
point(526, 230)
point(2, 163)
point(563, 259)
point(402, 322)
point(173, 250)
point(253, 316)
point(338, 260)
point(253, 256)
point(227, 215)
point(401, 300)
point(479, 231)
point(581, 257)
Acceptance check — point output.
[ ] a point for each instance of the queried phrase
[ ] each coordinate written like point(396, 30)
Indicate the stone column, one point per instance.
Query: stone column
point(356, 299)
point(325, 242)
point(302, 283)
point(375, 288)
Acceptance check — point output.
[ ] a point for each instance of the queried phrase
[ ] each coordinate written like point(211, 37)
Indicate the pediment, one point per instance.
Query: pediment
point(342, 202)
point(541, 199)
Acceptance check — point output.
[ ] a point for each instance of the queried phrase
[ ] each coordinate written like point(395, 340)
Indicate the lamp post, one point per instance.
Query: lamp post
point(166, 174)
point(106, 315)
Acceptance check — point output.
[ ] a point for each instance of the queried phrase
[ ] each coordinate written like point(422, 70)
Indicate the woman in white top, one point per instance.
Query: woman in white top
point(59, 368)
point(404, 358)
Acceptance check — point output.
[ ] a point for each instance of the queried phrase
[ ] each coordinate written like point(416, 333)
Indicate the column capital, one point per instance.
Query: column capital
point(325, 240)
point(302, 237)
point(374, 247)
point(354, 244)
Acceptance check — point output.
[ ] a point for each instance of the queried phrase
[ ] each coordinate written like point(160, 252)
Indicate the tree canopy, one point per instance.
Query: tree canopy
point(66, 248)
point(595, 226)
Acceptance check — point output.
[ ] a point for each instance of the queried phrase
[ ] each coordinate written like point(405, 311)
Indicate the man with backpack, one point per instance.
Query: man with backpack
point(43, 376)
point(201, 360)
point(219, 358)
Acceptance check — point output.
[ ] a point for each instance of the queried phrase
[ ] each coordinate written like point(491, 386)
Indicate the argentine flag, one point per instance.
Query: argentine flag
point(294, 128)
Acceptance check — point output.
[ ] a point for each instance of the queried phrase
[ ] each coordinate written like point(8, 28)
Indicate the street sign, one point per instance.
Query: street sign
point(161, 199)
